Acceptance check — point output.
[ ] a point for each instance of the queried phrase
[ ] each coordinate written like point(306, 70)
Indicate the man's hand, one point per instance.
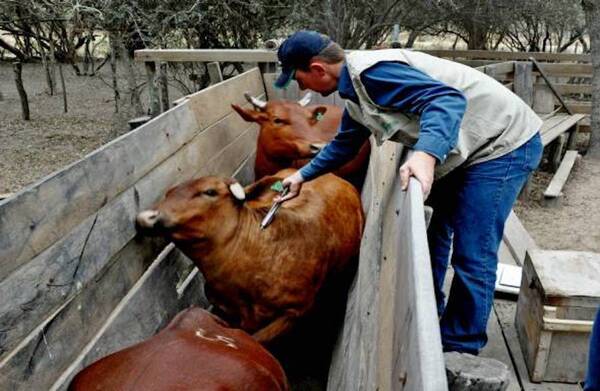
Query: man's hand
point(294, 183)
point(420, 165)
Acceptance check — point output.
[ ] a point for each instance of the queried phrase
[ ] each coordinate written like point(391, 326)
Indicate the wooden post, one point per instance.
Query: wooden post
point(214, 72)
point(62, 84)
point(152, 90)
point(557, 149)
point(18, 68)
point(164, 88)
point(572, 141)
point(523, 84)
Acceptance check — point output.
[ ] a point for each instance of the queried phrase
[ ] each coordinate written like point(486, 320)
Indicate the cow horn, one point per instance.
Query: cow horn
point(238, 191)
point(257, 103)
point(305, 99)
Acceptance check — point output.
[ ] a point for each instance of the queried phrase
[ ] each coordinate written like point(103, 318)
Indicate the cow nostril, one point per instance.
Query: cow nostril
point(147, 218)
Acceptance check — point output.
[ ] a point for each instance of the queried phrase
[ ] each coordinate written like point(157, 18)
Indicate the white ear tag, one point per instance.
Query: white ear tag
point(238, 191)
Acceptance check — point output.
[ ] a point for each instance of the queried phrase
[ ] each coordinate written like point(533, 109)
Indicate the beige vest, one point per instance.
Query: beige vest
point(496, 121)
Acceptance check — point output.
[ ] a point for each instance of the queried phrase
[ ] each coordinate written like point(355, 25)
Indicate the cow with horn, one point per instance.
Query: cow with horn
point(291, 133)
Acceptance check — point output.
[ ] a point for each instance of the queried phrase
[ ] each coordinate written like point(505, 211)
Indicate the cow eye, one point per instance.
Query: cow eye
point(210, 192)
point(278, 121)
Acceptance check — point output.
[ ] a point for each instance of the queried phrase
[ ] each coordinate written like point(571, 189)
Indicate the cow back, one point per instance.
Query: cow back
point(196, 351)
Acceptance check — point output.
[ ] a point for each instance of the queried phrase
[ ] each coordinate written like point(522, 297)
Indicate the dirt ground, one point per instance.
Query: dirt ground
point(30, 150)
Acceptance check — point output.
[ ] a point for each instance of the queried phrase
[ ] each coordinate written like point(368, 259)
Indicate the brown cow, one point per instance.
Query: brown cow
point(291, 133)
point(196, 351)
point(262, 279)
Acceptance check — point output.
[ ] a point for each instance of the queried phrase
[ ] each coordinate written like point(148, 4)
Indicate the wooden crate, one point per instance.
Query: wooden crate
point(560, 293)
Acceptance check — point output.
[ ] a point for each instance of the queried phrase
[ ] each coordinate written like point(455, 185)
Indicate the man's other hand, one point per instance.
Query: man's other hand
point(421, 165)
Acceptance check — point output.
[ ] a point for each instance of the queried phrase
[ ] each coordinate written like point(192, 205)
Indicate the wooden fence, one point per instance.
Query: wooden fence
point(570, 72)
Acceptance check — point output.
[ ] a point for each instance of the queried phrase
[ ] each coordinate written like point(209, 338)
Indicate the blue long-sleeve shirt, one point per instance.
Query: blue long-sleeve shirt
point(399, 86)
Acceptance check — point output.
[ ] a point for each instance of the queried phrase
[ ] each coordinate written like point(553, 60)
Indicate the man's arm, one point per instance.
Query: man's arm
point(440, 107)
point(350, 137)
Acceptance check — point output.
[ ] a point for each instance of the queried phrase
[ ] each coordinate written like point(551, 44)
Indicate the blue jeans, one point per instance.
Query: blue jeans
point(470, 207)
point(592, 379)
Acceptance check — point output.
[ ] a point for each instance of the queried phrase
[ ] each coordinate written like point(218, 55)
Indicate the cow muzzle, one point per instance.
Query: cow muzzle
point(149, 222)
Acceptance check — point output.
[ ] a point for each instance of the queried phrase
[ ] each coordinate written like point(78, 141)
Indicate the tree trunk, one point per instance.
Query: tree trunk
point(52, 67)
point(64, 89)
point(114, 45)
point(592, 16)
point(134, 95)
point(477, 38)
point(164, 87)
point(412, 37)
point(17, 66)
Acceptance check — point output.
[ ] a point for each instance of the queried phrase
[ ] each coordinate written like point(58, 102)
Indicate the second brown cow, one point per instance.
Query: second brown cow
point(291, 133)
point(263, 280)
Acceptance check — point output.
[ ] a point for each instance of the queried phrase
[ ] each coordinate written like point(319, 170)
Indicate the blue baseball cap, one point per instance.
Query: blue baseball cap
point(296, 51)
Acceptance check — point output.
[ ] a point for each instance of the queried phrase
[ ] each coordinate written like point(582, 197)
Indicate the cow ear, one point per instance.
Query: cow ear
point(238, 191)
point(318, 113)
point(250, 115)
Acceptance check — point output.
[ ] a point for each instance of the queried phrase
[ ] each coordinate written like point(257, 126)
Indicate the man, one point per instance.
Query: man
point(478, 139)
point(592, 378)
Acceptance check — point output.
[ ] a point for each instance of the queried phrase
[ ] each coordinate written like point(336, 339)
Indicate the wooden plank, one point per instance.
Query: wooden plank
point(263, 55)
point(580, 107)
point(214, 72)
point(225, 162)
point(75, 193)
point(78, 257)
point(556, 152)
point(214, 102)
point(500, 55)
point(55, 343)
point(566, 89)
point(499, 70)
point(517, 239)
point(496, 348)
point(523, 82)
point(148, 307)
point(206, 55)
point(550, 84)
point(559, 179)
point(390, 338)
point(555, 126)
point(570, 70)
point(78, 191)
point(505, 312)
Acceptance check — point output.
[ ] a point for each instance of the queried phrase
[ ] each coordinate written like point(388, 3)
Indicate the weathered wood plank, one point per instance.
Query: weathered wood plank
point(390, 338)
point(75, 193)
point(78, 191)
point(556, 125)
point(559, 179)
point(214, 72)
point(55, 343)
point(263, 55)
point(206, 55)
point(213, 102)
point(226, 162)
point(517, 239)
point(78, 257)
point(523, 82)
point(152, 302)
point(580, 107)
point(496, 348)
point(499, 55)
point(566, 89)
